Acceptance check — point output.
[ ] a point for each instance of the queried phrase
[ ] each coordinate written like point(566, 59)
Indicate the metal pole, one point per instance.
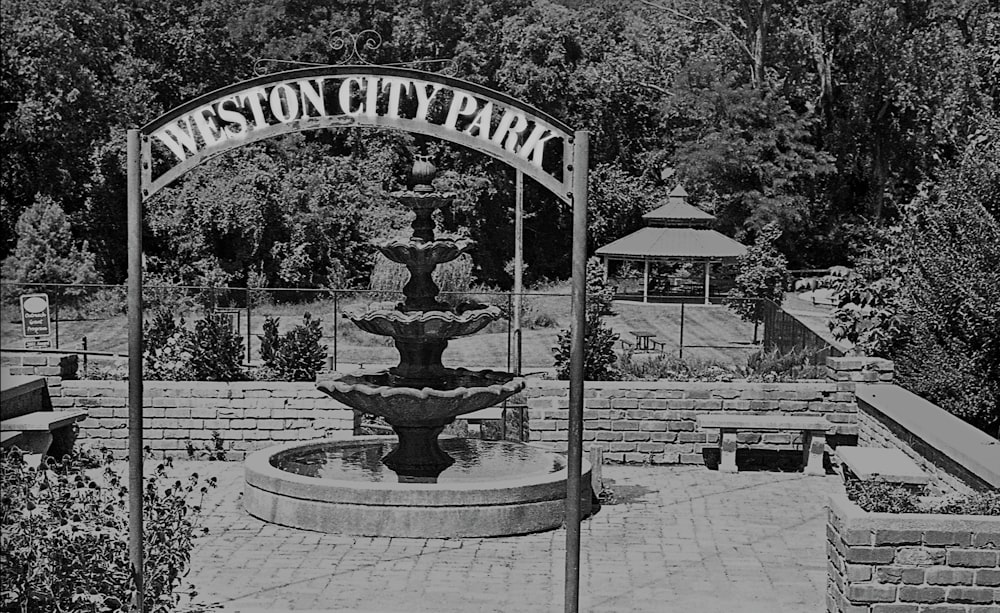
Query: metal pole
point(645, 281)
point(708, 276)
point(518, 265)
point(335, 317)
point(249, 317)
point(580, 170)
point(680, 343)
point(135, 368)
point(58, 295)
point(510, 323)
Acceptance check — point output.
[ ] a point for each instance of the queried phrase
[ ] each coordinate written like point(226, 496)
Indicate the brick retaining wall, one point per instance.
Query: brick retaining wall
point(897, 563)
point(247, 416)
point(655, 421)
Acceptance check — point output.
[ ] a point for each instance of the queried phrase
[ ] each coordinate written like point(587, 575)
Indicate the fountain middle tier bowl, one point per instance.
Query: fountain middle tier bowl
point(426, 253)
point(457, 391)
point(429, 325)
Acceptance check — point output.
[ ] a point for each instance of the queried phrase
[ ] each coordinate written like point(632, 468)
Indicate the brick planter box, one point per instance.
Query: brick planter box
point(901, 563)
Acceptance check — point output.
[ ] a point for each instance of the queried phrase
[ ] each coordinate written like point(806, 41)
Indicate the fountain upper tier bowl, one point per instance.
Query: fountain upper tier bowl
point(416, 252)
point(456, 391)
point(426, 325)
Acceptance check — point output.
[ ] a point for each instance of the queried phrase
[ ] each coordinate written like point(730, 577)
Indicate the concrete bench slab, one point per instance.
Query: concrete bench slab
point(9, 439)
point(813, 430)
point(882, 464)
point(42, 421)
point(34, 432)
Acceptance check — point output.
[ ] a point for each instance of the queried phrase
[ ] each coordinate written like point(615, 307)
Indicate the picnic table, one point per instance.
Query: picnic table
point(645, 340)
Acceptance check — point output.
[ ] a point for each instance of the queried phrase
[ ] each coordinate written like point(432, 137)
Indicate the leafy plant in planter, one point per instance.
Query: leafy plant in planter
point(65, 536)
point(882, 497)
point(211, 352)
point(296, 356)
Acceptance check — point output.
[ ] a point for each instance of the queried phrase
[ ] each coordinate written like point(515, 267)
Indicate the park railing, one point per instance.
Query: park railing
point(90, 320)
point(786, 334)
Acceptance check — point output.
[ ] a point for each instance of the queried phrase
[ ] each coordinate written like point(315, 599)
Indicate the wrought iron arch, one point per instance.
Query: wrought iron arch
point(209, 125)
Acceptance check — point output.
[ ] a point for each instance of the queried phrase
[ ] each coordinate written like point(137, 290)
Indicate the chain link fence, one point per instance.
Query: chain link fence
point(91, 320)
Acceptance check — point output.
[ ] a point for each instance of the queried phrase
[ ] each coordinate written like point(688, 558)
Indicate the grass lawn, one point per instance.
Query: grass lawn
point(711, 333)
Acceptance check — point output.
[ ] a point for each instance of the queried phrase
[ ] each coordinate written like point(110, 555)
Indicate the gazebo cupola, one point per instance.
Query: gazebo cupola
point(675, 232)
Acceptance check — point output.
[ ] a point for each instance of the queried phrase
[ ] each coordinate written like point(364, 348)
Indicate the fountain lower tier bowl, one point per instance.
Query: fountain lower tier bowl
point(426, 325)
point(494, 488)
point(453, 392)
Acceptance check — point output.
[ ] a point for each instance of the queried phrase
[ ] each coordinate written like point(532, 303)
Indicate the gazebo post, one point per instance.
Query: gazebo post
point(645, 281)
point(708, 276)
point(607, 263)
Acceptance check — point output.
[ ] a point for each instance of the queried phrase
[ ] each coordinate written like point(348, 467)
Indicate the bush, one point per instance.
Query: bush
point(213, 351)
point(65, 536)
point(296, 356)
point(662, 366)
point(882, 497)
point(776, 366)
point(269, 341)
point(761, 274)
point(600, 359)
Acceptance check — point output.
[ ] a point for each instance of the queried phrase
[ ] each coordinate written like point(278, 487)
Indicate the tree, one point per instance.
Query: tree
point(951, 354)
point(599, 357)
point(46, 251)
point(761, 275)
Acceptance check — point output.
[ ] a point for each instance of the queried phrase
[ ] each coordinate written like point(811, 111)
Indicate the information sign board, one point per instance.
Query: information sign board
point(35, 319)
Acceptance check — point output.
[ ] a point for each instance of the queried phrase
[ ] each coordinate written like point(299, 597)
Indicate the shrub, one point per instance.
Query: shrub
point(761, 274)
point(600, 359)
point(65, 536)
point(296, 356)
point(882, 497)
point(776, 366)
point(213, 351)
point(269, 341)
point(662, 366)
point(600, 295)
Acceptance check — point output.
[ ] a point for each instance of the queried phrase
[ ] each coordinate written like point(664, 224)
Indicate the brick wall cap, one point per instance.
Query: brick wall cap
point(852, 516)
point(968, 446)
point(555, 384)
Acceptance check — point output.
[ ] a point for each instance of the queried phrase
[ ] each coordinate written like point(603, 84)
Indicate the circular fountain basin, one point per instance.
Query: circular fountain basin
point(494, 488)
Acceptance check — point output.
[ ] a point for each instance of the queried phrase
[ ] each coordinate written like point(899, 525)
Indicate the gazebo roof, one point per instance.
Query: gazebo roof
point(678, 213)
point(662, 243)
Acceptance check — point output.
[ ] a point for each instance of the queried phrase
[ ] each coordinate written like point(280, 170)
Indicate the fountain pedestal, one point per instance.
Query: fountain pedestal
point(418, 458)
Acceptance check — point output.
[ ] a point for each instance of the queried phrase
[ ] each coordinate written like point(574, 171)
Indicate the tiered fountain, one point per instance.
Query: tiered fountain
point(442, 488)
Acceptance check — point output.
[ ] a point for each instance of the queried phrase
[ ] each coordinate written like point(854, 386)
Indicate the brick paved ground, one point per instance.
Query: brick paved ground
point(679, 539)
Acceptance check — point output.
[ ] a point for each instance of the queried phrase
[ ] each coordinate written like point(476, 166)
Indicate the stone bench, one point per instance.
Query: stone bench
point(38, 430)
point(813, 430)
point(28, 422)
point(881, 464)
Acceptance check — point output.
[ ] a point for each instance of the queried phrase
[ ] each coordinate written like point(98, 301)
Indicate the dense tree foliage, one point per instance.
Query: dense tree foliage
point(822, 116)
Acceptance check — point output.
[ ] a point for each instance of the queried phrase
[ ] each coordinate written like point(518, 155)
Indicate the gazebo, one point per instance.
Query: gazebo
point(676, 231)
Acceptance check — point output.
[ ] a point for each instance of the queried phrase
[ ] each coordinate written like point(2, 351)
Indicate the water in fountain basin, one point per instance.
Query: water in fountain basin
point(476, 461)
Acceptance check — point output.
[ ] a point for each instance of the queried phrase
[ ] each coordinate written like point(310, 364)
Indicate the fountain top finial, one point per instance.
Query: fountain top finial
point(422, 174)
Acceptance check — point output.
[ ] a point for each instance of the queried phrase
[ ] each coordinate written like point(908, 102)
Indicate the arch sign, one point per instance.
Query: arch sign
point(349, 96)
point(446, 108)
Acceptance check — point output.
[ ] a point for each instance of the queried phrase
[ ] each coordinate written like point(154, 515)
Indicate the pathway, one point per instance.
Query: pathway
point(678, 539)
